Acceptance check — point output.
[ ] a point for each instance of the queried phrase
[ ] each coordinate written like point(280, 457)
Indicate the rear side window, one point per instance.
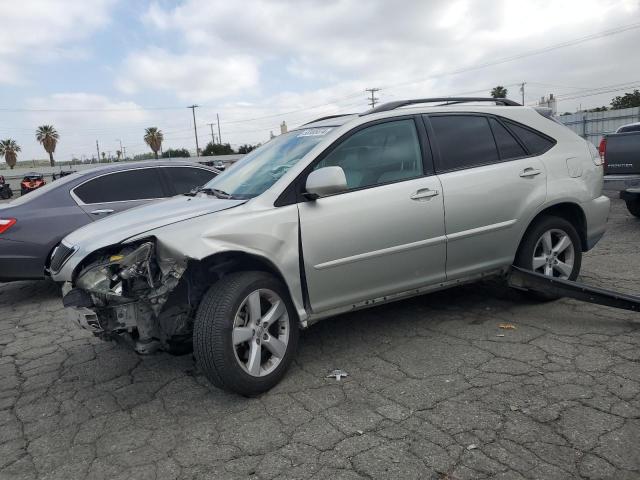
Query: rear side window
point(464, 141)
point(535, 142)
point(508, 146)
point(141, 184)
point(185, 179)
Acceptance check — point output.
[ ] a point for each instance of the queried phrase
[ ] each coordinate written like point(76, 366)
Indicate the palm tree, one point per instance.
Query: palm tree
point(499, 92)
point(48, 137)
point(9, 149)
point(153, 137)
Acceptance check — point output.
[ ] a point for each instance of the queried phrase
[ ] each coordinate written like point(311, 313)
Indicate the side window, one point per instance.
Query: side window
point(140, 184)
point(535, 142)
point(464, 141)
point(383, 153)
point(507, 145)
point(185, 179)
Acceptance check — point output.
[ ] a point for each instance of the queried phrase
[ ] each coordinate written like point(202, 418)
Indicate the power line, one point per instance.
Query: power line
point(530, 53)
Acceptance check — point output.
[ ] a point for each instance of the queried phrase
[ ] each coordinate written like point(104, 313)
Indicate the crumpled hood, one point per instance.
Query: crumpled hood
point(135, 221)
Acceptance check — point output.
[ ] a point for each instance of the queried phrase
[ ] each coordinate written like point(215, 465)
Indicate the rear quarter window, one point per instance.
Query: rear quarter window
point(535, 142)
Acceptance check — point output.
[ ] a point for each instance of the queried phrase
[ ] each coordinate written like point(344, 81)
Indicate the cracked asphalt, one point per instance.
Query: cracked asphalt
point(435, 390)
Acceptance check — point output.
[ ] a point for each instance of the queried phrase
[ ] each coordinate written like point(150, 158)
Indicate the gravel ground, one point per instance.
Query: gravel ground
point(435, 390)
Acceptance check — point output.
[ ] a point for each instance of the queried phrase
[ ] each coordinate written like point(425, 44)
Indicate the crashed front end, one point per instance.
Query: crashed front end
point(133, 292)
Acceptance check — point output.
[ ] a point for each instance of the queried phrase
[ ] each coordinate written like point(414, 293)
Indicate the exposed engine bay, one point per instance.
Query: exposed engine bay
point(136, 294)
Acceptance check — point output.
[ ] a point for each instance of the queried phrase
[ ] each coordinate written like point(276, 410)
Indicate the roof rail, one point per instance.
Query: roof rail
point(385, 107)
point(328, 117)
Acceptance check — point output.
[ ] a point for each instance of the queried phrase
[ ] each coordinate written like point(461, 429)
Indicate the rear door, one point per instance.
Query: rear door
point(491, 181)
point(385, 234)
point(184, 179)
point(118, 191)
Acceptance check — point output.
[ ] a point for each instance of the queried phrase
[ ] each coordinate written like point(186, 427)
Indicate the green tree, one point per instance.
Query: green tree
point(628, 100)
point(499, 92)
point(598, 109)
point(48, 137)
point(9, 150)
point(247, 148)
point(217, 149)
point(143, 156)
point(153, 137)
point(176, 153)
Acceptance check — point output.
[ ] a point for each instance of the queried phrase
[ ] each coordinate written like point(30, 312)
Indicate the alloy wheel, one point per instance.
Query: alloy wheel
point(261, 332)
point(554, 254)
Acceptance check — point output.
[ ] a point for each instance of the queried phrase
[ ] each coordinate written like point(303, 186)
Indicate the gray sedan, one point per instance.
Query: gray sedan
point(31, 226)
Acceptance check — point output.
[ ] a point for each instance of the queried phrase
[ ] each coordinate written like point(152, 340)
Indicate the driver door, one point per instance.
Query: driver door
point(385, 234)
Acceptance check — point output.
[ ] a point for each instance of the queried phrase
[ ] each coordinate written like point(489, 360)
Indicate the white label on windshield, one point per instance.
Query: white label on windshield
point(314, 132)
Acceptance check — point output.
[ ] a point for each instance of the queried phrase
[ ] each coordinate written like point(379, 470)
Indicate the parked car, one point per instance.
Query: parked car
point(61, 173)
point(31, 226)
point(31, 182)
point(621, 154)
point(5, 189)
point(340, 214)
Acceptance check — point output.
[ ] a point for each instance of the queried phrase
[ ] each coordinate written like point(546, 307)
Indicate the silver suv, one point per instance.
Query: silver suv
point(344, 213)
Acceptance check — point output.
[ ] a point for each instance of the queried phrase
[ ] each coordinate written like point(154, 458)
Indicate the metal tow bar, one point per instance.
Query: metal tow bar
point(528, 280)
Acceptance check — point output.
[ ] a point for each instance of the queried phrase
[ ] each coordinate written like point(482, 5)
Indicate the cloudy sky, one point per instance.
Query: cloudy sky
point(106, 69)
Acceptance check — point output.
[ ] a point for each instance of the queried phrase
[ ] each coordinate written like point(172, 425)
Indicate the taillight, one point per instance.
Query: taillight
point(602, 150)
point(6, 224)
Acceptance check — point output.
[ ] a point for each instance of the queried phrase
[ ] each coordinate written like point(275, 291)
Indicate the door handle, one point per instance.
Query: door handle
point(424, 193)
point(530, 172)
point(102, 211)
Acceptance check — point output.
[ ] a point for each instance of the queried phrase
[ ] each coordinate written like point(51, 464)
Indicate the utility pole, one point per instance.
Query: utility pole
point(119, 140)
point(124, 153)
point(195, 129)
point(373, 99)
point(98, 149)
point(213, 137)
point(522, 91)
point(219, 136)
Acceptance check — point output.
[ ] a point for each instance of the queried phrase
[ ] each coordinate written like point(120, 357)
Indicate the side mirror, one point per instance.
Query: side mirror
point(326, 181)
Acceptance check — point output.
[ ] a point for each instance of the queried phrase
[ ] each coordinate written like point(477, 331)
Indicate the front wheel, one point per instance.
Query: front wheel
point(551, 247)
point(634, 207)
point(245, 333)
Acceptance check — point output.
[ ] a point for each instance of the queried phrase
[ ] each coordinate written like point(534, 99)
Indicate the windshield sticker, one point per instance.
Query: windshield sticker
point(314, 132)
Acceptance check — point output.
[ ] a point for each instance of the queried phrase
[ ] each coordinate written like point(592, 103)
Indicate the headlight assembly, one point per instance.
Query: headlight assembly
point(107, 277)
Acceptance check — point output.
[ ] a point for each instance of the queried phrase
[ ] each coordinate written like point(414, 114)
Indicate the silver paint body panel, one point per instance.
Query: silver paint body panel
point(375, 244)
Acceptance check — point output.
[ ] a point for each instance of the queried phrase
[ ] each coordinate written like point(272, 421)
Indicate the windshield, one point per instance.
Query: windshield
point(261, 168)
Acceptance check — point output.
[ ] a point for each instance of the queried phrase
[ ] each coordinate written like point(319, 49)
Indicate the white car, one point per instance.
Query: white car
point(344, 213)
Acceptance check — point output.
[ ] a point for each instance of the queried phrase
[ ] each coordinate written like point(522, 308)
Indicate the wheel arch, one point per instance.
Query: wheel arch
point(208, 270)
point(570, 211)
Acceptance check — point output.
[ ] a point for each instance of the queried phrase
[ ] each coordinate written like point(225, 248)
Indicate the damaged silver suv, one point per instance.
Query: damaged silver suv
point(341, 214)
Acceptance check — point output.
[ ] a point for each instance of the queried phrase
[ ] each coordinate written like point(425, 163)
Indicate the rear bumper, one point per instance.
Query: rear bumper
point(621, 182)
point(596, 212)
point(631, 195)
point(21, 261)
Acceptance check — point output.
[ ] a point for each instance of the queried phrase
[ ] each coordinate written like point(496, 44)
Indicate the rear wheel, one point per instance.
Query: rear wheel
point(245, 333)
point(634, 207)
point(551, 247)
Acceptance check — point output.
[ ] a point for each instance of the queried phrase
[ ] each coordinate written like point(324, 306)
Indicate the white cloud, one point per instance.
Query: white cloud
point(35, 31)
point(191, 77)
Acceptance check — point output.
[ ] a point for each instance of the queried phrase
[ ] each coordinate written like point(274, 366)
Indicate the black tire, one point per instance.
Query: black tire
point(212, 333)
point(634, 207)
point(524, 257)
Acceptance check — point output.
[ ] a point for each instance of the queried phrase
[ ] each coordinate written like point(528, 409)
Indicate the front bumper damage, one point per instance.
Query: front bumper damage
point(127, 293)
